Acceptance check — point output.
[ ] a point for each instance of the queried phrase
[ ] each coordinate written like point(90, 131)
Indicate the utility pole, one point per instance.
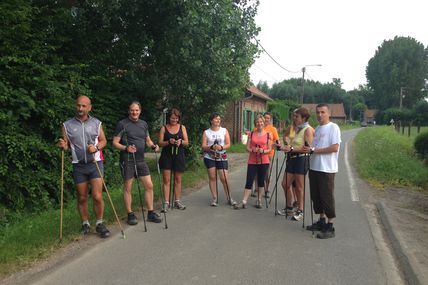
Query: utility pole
point(401, 97)
point(303, 80)
point(303, 85)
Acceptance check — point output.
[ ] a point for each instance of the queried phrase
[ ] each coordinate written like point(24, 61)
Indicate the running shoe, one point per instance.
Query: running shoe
point(241, 205)
point(214, 203)
point(298, 216)
point(288, 211)
point(179, 205)
point(232, 202)
point(86, 229)
point(258, 204)
point(102, 230)
point(154, 218)
point(317, 226)
point(267, 194)
point(326, 233)
point(132, 219)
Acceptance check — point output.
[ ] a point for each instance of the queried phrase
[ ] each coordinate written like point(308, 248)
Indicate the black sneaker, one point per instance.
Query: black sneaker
point(326, 233)
point(154, 218)
point(132, 219)
point(86, 229)
point(102, 230)
point(317, 226)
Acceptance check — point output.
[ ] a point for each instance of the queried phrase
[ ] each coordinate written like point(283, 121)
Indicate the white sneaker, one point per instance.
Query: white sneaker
point(214, 203)
point(298, 216)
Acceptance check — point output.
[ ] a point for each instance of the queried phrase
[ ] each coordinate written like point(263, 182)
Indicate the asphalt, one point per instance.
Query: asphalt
point(414, 272)
point(412, 269)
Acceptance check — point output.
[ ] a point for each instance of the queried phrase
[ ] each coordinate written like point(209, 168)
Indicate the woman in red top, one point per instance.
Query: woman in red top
point(259, 145)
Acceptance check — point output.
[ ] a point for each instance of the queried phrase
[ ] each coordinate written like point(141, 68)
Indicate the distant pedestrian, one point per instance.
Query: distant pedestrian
point(172, 138)
point(215, 142)
point(259, 146)
point(84, 136)
point(131, 137)
point(323, 167)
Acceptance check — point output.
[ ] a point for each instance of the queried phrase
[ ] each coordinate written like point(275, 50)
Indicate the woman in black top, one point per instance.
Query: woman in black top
point(172, 139)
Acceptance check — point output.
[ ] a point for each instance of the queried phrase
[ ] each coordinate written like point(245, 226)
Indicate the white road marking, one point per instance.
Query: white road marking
point(352, 188)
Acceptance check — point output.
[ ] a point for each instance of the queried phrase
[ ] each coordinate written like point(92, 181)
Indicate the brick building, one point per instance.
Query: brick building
point(239, 116)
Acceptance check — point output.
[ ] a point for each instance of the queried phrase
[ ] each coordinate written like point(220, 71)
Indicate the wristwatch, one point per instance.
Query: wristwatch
point(312, 150)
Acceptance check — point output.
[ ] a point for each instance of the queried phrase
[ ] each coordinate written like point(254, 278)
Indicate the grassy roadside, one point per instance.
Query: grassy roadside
point(36, 236)
point(386, 158)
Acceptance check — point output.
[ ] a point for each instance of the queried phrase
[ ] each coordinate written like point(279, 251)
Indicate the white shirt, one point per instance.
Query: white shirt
point(325, 136)
point(213, 136)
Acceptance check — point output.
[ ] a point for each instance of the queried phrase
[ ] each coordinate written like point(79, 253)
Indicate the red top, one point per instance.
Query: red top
point(262, 142)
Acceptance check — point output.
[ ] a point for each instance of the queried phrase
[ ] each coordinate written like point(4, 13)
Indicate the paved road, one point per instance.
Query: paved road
point(206, 245)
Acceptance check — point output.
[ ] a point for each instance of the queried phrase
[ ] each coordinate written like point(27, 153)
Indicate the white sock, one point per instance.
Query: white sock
point(85, 223)
point(100, 221)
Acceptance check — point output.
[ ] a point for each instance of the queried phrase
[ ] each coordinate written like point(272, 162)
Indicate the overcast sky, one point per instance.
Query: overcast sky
point(341, 35)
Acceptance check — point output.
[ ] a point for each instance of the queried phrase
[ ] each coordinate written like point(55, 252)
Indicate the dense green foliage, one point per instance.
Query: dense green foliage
point(421, 145)
point(385, 157)
point(398, 63)
point(193, 55)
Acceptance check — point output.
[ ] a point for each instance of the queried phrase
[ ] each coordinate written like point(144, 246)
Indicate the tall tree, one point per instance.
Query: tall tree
point(401, 62)
point(193, 55)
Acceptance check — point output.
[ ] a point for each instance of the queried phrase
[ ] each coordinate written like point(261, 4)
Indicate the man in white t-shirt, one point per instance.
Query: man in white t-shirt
point(323, 167)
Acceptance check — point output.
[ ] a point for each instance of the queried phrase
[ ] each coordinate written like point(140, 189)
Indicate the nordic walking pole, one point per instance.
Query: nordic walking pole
point(310, 195)
point(268, 182)
point(277, 178)
point(62, 195)
point(108, 195)
point(304, 188)
point(228, 197)
point(160, 186)
point(215, 168)
point(139, 191)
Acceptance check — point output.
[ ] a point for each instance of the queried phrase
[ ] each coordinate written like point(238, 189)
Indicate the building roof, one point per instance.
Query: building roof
point(258, 93)
point(336, 110)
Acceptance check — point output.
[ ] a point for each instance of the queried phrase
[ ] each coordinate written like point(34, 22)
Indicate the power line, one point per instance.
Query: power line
point(274, 59)
point(276, 80)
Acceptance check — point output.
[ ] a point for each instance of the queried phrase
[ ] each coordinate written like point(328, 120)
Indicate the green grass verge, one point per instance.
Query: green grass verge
point(238, 148)
point(36, 236)
point(387, 158)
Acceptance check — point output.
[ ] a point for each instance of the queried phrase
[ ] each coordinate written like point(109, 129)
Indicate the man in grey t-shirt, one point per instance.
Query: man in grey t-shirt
point(130, 137)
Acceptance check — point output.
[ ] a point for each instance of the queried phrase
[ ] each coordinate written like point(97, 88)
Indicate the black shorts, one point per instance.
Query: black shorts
point(128, 169)
point(298, 165)
point(218, 164)
point(85, 172)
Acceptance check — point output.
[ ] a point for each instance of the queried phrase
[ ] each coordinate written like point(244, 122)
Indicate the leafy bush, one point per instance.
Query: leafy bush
point(421, 145)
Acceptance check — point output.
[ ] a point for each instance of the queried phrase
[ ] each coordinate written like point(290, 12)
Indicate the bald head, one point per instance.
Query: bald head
point(83, 107)
point(84, 99)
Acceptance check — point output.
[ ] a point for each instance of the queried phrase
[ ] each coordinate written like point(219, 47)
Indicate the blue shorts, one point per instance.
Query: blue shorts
point(85, 172)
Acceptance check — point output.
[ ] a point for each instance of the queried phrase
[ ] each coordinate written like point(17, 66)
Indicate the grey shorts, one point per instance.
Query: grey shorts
point(128, 169)
point(85, 172)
